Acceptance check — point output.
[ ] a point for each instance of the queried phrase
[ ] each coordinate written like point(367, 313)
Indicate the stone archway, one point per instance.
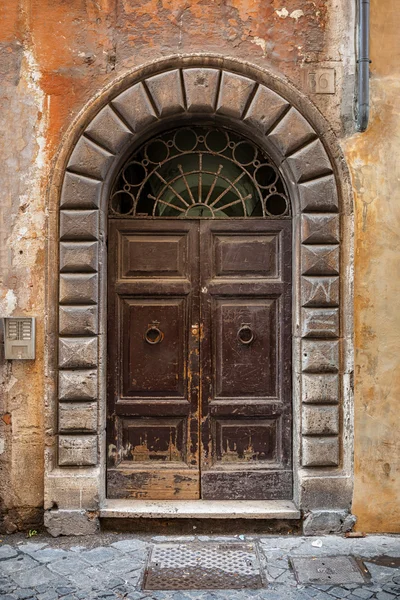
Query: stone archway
point(298, 139)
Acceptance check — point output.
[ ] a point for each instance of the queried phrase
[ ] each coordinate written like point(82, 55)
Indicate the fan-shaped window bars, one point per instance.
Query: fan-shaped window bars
point(196, 172)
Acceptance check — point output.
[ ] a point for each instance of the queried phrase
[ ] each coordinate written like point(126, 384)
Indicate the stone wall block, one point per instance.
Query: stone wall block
point(77, 385)
point(78, 257)
point(320, 322)
point(78, 288)
point(320, 260)
point(80, 192)
point(320, 228)
point(135, 107)
point(320, 388)
point(320, 451)
point(265, 109)
point(79, 224)
point(320, 356)
point(309, 162)
point(77, 450)
point(234, 94)
point(90, 159)
point(167, 93)
point(319, 291)
point(77, 416)
point(71, 522)
point(320, 420)
point(77, 353)
point(291, 132)
point(201, 86)
point(319, 195)
point(108, 130)
point(78, 320)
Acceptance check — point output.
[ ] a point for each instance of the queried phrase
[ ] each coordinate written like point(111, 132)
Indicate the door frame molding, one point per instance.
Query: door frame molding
point(293, 132)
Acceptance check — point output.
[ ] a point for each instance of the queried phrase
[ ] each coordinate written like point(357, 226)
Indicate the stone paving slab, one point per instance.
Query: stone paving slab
point(111, 567)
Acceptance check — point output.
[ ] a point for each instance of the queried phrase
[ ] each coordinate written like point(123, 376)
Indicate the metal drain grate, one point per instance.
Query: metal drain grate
point(203, 567)
point(328, 570)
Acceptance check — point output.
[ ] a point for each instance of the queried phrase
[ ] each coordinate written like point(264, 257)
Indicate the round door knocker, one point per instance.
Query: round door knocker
point(153, 335)
point(245, 334)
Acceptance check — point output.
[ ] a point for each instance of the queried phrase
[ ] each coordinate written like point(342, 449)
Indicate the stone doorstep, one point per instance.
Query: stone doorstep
point(208, 509)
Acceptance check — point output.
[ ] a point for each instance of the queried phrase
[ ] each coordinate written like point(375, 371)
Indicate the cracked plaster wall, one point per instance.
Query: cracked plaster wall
point(56, 55)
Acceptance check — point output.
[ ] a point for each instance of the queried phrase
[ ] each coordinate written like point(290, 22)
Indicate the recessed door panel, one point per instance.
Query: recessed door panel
point(246, 255)
point(152, 254)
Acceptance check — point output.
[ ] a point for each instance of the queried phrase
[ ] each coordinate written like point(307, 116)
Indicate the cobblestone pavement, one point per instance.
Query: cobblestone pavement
point(111, 566)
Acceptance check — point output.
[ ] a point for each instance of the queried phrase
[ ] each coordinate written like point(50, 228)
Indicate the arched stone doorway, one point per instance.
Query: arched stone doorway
point(224, 93)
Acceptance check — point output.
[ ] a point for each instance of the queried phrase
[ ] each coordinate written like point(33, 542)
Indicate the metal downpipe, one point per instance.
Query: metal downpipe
point(363, 62)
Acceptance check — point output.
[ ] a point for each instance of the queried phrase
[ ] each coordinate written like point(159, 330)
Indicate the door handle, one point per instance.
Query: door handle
point(245, 334)
point(153, 334)
point(195, 329)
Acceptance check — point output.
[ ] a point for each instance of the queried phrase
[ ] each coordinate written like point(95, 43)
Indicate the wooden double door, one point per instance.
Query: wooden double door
point(199, 359)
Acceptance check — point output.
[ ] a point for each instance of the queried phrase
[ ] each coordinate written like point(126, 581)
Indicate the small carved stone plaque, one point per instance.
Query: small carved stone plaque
point(321, 81)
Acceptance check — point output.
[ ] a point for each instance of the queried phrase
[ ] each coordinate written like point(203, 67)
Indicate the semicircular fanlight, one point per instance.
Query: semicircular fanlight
point(199, 172)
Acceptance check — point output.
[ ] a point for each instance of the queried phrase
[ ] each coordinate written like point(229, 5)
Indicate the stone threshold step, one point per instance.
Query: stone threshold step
point(200, 509)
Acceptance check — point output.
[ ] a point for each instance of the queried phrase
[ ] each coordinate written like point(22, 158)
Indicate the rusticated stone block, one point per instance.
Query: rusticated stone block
point(108, 129)
point(79, 224)
point(325, 522)
point(234, 94)
point(78, 320)
point(320, 229)
point(309, 162)
point(320, 451)
point(320, 420)
point(77, 416)
point(89, 159)
point(167, 93)
point(265, 109)
point(334, 492)
point(78, 256)
point(77, 450)
point(77, 385)
point(291, 132)
point(78, 288)
point(135, 107)
point(201, 86)
point(71, 522)
point(319, 195)
point(320, 388)
point(320, 322)
point(78, 353)
point(320, 291)
point(79, 191)
point(320, 356)
point(320, 260)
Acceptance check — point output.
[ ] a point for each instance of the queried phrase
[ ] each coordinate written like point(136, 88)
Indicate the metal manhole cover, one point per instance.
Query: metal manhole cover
point(203, 567)
point(328, 570)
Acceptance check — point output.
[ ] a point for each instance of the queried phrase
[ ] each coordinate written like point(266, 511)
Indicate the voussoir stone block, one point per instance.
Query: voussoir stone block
point(265, 109)
point(79, 224)
point(79, 191)
point(78, 256)
point(320, 388)
point(201, 86)
point(77, 450)
point(78, 288)
point(234, 94)
point(319, 195)
point(90, 159)
point(320, 451)
point(77, 416)
point(78, 320)
point(320, 291)
point(108, 130)
point(78, 353)
point(320, 260)
point(291, 132)
point(166, 91)
point(77, 385)
point(320, 420)
point(135, 107)
point(320, 228)
point(320, 322)
point(320, 356)
point(310, 161)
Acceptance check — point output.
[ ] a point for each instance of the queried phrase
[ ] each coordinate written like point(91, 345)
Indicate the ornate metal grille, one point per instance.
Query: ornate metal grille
point(198, 172)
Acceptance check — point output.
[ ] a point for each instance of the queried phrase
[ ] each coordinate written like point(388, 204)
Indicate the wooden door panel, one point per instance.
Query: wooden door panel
point(259, 256)
point(240, 442)
point(148, 255)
